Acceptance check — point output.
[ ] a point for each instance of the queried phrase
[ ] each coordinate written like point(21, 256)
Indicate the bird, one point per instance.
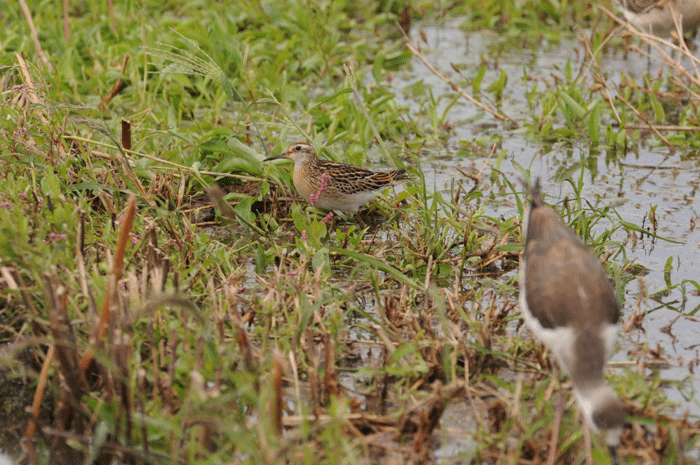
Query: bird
point(657, 16)
point(330, 185)
point(569, 303)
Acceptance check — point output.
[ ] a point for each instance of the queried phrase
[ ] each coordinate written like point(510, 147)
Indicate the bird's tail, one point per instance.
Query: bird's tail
point(535, 193)
point(399, 174)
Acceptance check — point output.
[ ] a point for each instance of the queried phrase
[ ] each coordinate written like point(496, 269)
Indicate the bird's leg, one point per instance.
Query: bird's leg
point(558, 414)
point(613, 455)
point(587, 442)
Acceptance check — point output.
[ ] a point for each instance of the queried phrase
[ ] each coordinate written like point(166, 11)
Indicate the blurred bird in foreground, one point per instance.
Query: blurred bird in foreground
point(570, 305)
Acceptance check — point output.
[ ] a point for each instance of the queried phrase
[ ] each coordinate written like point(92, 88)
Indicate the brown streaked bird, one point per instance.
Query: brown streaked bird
point(334, 186)
point(570, 305)
point(657, 16)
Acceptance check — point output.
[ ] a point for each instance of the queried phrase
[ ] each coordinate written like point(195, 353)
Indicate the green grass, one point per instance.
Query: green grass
point(222, 319)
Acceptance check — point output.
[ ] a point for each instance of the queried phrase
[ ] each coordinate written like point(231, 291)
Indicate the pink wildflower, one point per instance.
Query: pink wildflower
point(303, 235)
point(22, 195)
point(57, 236)
point(328, 217)
point(5, 204)
point(313, 198)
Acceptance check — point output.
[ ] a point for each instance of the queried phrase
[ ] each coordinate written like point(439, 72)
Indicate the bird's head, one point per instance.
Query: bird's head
point(298, 152)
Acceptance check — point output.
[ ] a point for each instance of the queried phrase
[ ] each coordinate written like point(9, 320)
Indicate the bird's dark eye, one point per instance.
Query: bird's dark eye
point(297, 148)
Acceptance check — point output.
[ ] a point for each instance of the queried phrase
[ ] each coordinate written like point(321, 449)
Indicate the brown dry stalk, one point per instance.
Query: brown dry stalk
point(330, 375)
point(126, 134)
point(35, 37)
point(118, 262)
point(112, 20)
point(64, 338)
point(249, 362)
point(39, 393)
point(277, 385)
point(652, 41)
point(454, 86)
point(660, 45)
point(662, 127)
point(30, 85)
point(36, 404)
point(386, 421)
point(66, 24)
point(116, 88)
point(115, 275)
point(131, 175)
point(643, 118)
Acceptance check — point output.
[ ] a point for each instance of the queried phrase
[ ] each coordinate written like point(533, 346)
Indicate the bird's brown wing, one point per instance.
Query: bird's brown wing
point(565, 283)
point(349, 179)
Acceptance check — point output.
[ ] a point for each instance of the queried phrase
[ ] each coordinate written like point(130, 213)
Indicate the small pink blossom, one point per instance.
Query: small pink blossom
point(303, 235)
point(134, 239)
point(57, 236)
point(5, 204)
point(328, 217)
point(19, 132)
point(313, 198)
point(22, 195)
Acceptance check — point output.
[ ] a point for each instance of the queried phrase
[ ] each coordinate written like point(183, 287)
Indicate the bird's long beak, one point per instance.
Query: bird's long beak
point(277, 157)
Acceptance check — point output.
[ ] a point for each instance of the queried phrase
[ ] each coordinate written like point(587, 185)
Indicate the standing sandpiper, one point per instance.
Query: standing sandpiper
point(570, 305)
point(334, 186)
point(657, 16)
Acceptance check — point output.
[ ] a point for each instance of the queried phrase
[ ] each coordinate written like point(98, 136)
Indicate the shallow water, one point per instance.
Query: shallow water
point(633, 183)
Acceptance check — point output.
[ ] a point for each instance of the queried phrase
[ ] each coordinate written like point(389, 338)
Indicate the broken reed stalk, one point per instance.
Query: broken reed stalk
point(126, 134)
point(116, 88)
point(277, 385)
point(115, 274)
